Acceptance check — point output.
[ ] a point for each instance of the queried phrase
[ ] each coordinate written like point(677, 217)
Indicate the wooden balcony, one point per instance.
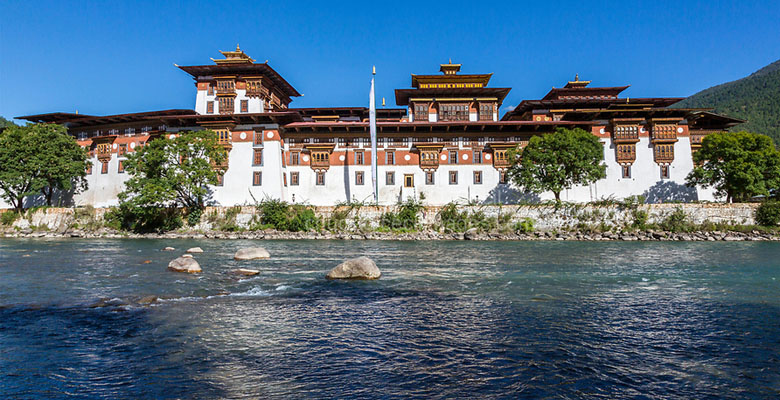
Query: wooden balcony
point(664, 133)
point(626, 136)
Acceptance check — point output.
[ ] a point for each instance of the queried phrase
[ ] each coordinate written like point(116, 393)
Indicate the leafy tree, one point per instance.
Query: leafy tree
point(558, 161)
point(63, 162)
point(20, 168)
point(738, 165)
point(174, 172)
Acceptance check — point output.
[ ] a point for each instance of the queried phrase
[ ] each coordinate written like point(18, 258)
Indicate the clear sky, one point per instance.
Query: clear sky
point(112, 57)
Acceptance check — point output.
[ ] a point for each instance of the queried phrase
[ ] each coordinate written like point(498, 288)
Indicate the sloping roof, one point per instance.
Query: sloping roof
point(402, 95)
point(76, 120)
point(242, 69)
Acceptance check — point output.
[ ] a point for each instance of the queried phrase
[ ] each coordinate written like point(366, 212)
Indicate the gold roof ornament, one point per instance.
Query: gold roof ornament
point(449, 68)
point(234, 57)
point(577, 83)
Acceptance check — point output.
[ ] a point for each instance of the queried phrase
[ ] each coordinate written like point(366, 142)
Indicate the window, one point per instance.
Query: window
point(258, 157)
point(477, 156)
point(295, 158)
point(390, 158)
point(129, 131)
point(320, 158)
point(502, 177)
point(210, 92)
point(664, 153)
point(104, 169)
point(390, 178)
point(664, 172)
point(500, 156)
point(284, 178)
point(453, 112)
point(359, 158)
point(226, 105)
point(477, 177)
point(408, 180)
point(244, 106)
point(223, 136)
point(453, 156)
point(209, 107)
point(486, 111)
point(359, 178)
point(121, 167)
point(89, 168)
point(421, 112)
point(82, 135)
point(429, 177)
point(294, 178)
point(257, 178)
point(320, 178)
point(626, 171)
point(453, 177)
point(122, 150)
point(258, 138)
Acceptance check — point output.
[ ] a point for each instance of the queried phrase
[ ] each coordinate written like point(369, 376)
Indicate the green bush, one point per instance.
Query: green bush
point(8, 218)
point(768, 213)
point(144, 219)
point(303, 220)
point(453, 220)
point(193, 216)
point(280, 215)
point(525, 226)
point(406, 218)
point(640, 218)
point(677, 221)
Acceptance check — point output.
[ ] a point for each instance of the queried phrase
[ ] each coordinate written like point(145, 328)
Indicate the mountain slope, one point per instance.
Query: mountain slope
point(755, 98)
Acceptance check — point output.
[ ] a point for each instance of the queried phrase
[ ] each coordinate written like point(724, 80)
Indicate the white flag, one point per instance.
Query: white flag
point(372, 130)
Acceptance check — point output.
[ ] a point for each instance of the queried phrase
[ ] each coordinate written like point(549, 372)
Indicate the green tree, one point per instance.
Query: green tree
point(174, 172)
point(20, 168)
point(63, 162)
point(558, 161)
point(738, 165)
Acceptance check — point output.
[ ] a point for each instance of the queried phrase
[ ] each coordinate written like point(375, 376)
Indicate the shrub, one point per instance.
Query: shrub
point(193, 216)
point(274, 212)
point(303, 220)
point(8, 218)
point(525, 226)
point(453, 220)
point(144, 219)
point(405, 218)
point(768, 213)
point(677, 221)
point(640, 218)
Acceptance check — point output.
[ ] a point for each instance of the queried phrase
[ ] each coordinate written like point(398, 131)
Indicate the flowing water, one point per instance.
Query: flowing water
point(610, 320)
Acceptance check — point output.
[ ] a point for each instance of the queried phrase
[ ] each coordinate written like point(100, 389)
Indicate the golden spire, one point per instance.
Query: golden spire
point(234, 57)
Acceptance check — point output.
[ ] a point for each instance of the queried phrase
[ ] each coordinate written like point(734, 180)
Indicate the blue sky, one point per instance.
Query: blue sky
point(117, 57)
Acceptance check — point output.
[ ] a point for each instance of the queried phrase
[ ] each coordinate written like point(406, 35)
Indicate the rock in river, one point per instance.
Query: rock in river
point(169, 248)
point(195, 250)
point(183, 264)
point(356, 268)
point(251, 253)
point(245, 272)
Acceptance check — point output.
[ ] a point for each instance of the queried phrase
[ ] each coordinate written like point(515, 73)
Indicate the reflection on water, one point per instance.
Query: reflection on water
point(447, 319)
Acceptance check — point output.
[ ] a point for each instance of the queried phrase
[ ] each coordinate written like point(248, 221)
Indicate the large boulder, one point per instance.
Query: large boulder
point(251, 253)
point(183, 264)
point(195, 250)
point(356, 268)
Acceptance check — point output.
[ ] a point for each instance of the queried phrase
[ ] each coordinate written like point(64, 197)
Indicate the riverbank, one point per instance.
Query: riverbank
point(649, 235)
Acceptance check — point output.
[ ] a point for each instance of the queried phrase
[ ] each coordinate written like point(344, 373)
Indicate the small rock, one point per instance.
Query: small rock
point(195, 250)
point(147, 262)
point(470, 234)
point(251, 253)
point(183, 264)
point(186, 255)
point(169, 249)
point(245, 272)
point(356, 268)
point(147, 300)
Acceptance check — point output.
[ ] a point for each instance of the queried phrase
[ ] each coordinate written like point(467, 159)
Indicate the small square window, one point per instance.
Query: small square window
point(477, 177)
point(664, 172)
point(258, 157)
point(409, 180)
point(477, 156)
point(453, 177)
point(359, 158)
point(429, 178)
point(502, 178)
point(320, 178)
point(390, 178)
point(390, 158)
point(295, 158)
point(244, 106)
point(626, 171)
point(359, 178)
point(209, 107)
point(257, 178)
point(258, 138)
point(294, 178)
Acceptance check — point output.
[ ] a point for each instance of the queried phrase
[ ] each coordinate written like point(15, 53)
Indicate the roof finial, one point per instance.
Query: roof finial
point(576, 77)
point(373, 70)
point(450, 60)
point(237, 48)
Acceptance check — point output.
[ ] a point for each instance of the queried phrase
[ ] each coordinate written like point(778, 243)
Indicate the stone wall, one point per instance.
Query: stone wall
point(545, 217)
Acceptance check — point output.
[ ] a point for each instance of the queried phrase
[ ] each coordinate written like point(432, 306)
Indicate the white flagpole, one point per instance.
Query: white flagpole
point(372, 130)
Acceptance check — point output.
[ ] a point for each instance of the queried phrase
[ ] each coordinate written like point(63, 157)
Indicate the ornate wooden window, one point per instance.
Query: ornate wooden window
point(320, 178)
point(104, 151)
point(626, 133)
point(244, 106)
point(320, 159)
point(453, 157)
point(258, 157)
point(294, 178)
point(390, 157)
point(626, 153)
point(359, 158)
point(499, 158)
point(104, 168)
point(477, 156)
point(485, 111)
point(663, 153)
point(421, 112)
point(210, 89)
point(257, 140)
point(226, 105)
point(408, 180)
point(477, 177)
point(295, 158)
point(359, 178)
point(665, 132)
point(257, 178)
point(626, 169)
point(430, 177)
point(503, 177)
point(209, 107)
point(453, 112)
point(254, 87)
point(226, 86)
point(453, 177)
point(429, 158)
point(223, 136)
point(122, 150)
point(390, 178)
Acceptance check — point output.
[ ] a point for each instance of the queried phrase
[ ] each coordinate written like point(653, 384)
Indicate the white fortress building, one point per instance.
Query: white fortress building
point(447, 142)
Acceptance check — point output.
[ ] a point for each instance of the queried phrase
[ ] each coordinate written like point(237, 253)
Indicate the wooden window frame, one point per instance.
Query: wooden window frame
point(210, 107)
point(453, 177)
point(244, 106)
point(503, 177)
point(452, 160)
point(360, 158)
point(295, 158)
point(625, 171)
point(390, 178)
point(104, 168)
point(360, 178)
point(257, 178)
point(120, 168)
point(257, 157)
point(295, 178)
point(390, 157)
point(477, 177)
point(430, 178)
point(319, 178)
point(665, 171)
point(408, 180)
point(477, 157)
